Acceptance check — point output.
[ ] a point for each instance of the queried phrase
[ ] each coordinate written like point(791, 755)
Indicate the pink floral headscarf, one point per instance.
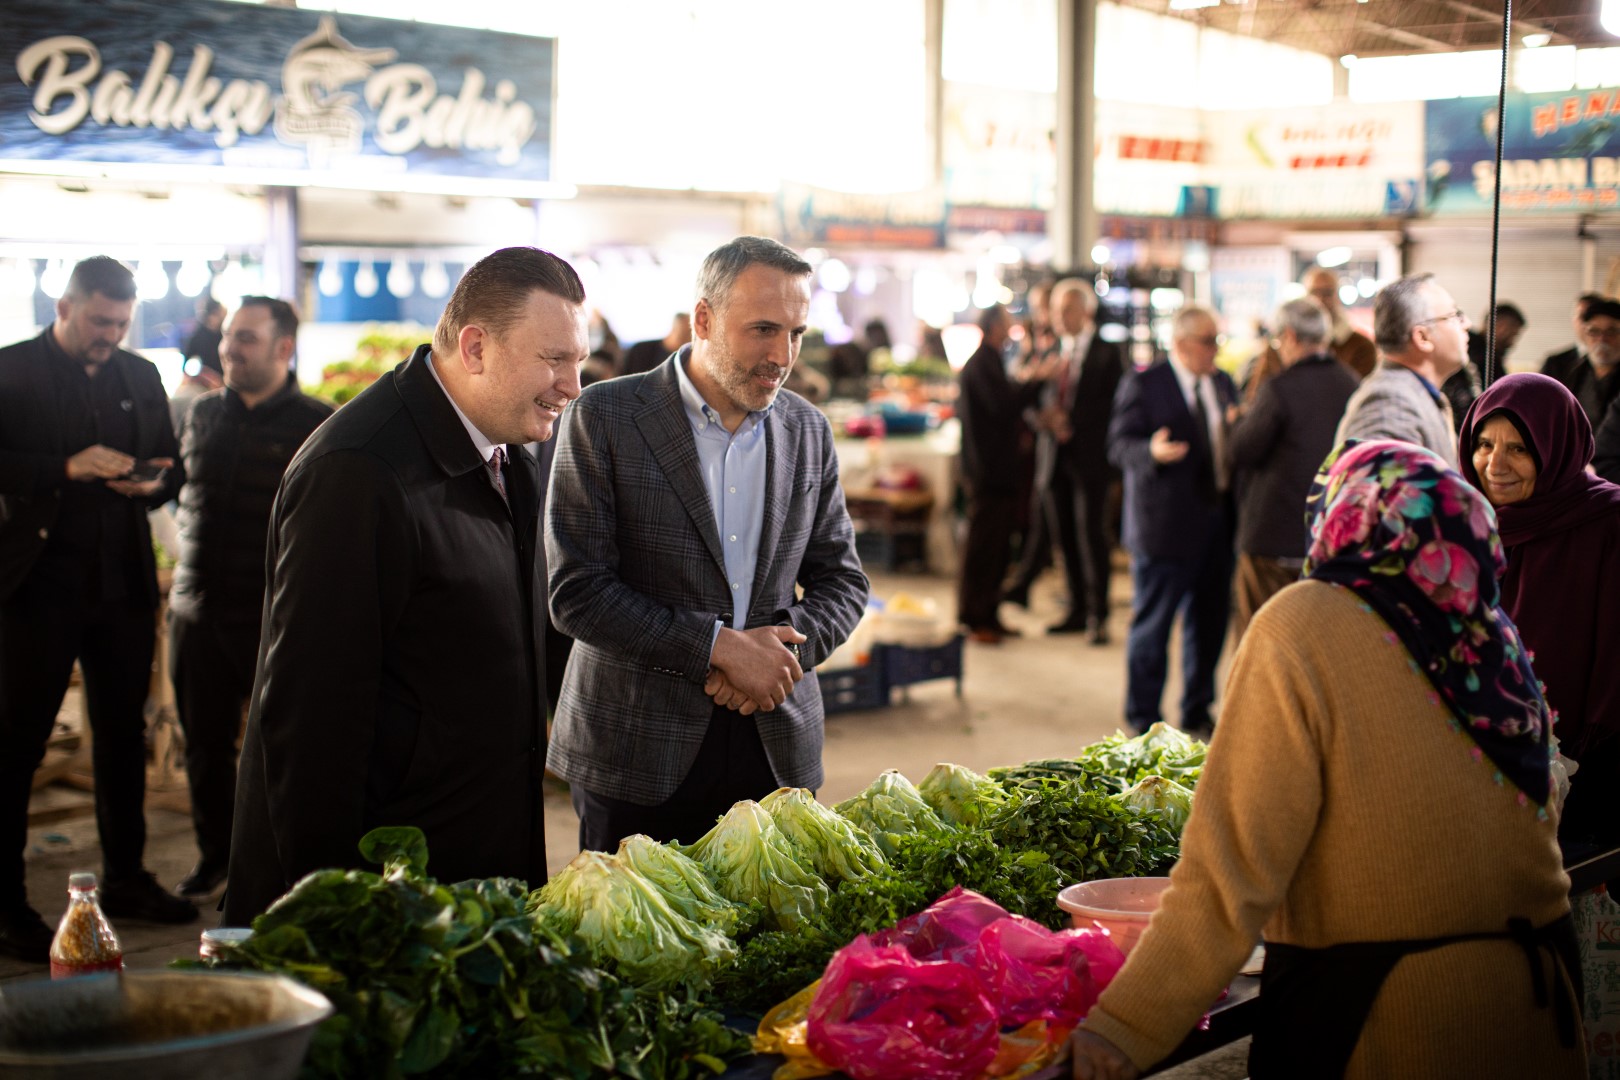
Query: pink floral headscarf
point(1418, 543)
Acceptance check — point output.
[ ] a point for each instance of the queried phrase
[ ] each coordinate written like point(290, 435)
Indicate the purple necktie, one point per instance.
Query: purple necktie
point(494, 464)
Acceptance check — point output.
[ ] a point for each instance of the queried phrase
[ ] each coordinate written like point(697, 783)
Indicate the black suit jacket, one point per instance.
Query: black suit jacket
point(1167, 516)
point(1562, 365)
point(34, 453)
point(991, 407)
point(401, 673)
point(1086, 452)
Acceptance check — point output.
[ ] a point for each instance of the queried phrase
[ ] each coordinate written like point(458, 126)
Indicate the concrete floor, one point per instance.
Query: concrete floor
point(1035, 696)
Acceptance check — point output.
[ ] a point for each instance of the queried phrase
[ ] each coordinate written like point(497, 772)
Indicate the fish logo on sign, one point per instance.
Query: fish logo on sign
point(315, 109)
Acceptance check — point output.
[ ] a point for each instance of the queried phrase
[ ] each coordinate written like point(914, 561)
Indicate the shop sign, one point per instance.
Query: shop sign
point(997, 146)
point(1001, 219)
point(812, 215)
point(1560, 153)
point(1148, 157)
point(300, 94)
point(1334, 161)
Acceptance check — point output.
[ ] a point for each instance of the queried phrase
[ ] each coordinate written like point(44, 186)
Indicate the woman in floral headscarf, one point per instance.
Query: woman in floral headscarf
point(1375, 802)
point(1526, 443)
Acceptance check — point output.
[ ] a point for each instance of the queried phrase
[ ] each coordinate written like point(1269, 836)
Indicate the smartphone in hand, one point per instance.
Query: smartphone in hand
point(145, 471)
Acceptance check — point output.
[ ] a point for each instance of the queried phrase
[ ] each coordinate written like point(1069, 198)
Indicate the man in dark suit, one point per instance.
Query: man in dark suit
point(1276, 447)
point(991, 406)
point(78, 416)
point(689, 507)
point(643, 356)
point(1167, 434)
point(1592, 373)
point(1560, 364)
point(236, 443)
point(1078, 403)
point(401, 673)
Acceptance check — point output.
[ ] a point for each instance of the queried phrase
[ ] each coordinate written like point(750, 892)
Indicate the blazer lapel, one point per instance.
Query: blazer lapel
point(668, 431)
point(781, 465)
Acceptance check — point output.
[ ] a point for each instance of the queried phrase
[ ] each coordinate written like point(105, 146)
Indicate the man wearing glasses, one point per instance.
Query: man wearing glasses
point(1422, 338)
point(1168, 435)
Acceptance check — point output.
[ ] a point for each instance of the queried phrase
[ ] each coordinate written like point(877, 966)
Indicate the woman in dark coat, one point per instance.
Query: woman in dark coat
point(1526, 443)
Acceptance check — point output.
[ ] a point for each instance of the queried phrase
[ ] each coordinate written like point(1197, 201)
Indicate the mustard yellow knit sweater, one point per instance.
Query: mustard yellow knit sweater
point(1340, 804)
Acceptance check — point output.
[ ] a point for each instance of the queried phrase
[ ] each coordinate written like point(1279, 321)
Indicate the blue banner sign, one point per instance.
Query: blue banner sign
point(278, 94)
point(1560, 153)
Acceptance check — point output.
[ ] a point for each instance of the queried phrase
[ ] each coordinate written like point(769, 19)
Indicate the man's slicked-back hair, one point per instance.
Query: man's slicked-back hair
point(1398, 307)
point(101, 274)
point(283, 316)
point(493, 292)
point(724, 264)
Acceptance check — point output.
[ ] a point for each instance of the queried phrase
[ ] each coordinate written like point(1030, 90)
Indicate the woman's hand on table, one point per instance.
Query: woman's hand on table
point(1095, 1058)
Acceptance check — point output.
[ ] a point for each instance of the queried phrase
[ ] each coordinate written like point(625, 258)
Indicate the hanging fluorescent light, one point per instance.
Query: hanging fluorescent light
point(1100, 255)
point(1535, 41)
point(1609, 17)
point(192, 278)
point(435, 282)
point(1347, 60)
point(834, 275)
point(365, 281)
point(53, 282)
point(401, 282)
point(330, 279)
point(1333, 256)
point(151, 280)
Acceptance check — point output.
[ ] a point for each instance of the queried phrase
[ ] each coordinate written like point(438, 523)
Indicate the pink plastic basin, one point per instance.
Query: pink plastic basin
point(1121, 906)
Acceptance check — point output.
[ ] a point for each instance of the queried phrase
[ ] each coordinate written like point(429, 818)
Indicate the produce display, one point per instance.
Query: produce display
point(614, 966)
point(456, 980)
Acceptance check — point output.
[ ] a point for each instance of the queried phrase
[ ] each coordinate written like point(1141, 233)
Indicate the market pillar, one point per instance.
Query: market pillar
point(280, 242)
point(1074, 210)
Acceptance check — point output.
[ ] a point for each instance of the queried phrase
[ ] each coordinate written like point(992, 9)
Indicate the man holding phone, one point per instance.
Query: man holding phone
point(86, 448)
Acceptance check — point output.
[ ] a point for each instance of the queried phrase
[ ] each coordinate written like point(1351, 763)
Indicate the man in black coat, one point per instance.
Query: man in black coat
point(1167, 436)
point(1593, 374)
point(401, 673)
point(1072, 457)
point(1275, 448)
point(236, 443)
point(84, 431)
point(991, 406)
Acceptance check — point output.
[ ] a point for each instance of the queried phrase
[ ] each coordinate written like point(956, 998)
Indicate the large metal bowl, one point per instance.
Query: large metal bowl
point(157, 1025)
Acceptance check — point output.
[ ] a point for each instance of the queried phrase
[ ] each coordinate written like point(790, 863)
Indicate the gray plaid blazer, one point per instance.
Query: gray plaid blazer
point(1393, 403)
point(638, 580)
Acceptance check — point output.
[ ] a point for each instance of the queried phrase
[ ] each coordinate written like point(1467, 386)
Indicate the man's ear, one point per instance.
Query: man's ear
point(64, 308)
point(471, 343)
point(703, 320)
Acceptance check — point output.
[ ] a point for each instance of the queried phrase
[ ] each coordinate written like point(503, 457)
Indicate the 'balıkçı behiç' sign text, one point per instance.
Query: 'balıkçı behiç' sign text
point(208, 83)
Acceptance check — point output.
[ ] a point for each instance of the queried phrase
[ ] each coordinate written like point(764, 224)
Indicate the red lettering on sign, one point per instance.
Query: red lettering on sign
point(1596, 105)
point(1571, 113)
point(1544, 120)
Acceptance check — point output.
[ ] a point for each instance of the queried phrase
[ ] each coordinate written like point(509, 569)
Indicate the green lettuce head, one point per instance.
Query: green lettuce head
point(684, 883)
point(834, 847)
point(624, 919)
point(1163, 795)
point(892, 808)
point(752, 861)
point(959, 795)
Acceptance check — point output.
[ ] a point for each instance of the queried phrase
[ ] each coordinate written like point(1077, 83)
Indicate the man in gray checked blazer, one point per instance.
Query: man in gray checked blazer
point(688, 506)
point(1422, 339)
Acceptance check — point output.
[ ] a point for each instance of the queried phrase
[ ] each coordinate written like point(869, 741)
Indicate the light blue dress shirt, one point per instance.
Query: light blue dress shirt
point(733, 467)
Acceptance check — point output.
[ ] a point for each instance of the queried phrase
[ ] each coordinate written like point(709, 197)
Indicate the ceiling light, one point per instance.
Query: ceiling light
point(1192, 5)
point(1609, 16)
point(1535, 41)
point(1333, 256)
point(1347, 59)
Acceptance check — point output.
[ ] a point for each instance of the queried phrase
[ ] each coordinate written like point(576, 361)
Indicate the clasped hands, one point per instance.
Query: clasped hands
point(753, 670)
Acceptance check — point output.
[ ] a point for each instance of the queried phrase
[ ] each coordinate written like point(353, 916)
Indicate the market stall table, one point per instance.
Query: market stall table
point(933, 455)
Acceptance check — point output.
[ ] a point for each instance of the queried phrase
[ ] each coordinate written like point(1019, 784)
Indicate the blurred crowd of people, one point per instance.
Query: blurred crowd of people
point(1068, 450)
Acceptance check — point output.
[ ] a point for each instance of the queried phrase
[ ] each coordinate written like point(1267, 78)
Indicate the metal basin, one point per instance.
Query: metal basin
point(157, 1025)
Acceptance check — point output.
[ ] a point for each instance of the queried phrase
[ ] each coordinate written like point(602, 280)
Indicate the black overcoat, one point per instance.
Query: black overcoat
point(401, 671)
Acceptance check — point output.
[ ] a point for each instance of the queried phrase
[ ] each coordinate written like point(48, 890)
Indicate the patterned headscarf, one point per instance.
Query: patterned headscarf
point(1392, 522)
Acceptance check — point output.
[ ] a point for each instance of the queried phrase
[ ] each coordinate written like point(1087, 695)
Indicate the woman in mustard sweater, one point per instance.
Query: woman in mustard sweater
point(1376, 806)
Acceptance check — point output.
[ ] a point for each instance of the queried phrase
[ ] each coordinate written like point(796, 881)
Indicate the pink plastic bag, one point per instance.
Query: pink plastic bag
point(947, 929)
point(882, 1014)
point(1031, 973)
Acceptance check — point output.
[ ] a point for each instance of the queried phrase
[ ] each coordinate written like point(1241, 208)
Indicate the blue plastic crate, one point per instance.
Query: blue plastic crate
point(849, 689)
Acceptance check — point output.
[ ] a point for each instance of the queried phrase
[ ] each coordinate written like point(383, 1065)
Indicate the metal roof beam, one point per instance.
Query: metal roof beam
point(1428, 44)
point(1463, 7)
